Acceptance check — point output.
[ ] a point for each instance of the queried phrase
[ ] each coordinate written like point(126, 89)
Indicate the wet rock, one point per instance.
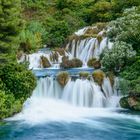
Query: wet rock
point(130, 102)
point(45, 62)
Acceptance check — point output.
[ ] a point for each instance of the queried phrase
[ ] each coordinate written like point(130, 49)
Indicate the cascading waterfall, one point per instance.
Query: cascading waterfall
point(50, 98)
point(79, 92)
point(82, 45)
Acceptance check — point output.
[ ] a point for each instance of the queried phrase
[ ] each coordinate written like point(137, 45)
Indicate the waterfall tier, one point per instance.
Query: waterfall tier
point(84, 44)
point(79, 92)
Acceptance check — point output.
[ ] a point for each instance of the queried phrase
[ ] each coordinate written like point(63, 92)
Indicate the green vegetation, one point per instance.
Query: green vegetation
point(63, 78)
point(60, 18)
point(93, 62)
point(16, 82)
point(74, 63)
point(10, 25)
point(129, 33)
point(124, 57)
point(98, 77)
point(84, 75)
point(118, 57)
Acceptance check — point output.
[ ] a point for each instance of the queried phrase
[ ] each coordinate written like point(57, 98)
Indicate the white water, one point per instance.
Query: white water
point(84, 49)
point(79, 98)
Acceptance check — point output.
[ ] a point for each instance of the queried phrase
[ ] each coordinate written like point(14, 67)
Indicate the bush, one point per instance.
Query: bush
point(84, 75)
point(94, 63)
point(32, 37)
point(118, 57)
point(8, 105)
point(45, 62)
point(63, 78)
point(98, 77)
point(17, 80)
point(74, 63)
point(127, 28)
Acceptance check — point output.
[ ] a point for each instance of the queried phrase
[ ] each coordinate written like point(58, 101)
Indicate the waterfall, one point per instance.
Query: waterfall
point(85, 44)
point(79, 92)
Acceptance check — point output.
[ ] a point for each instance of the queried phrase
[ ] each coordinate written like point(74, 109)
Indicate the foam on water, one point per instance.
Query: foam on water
point(39, 111)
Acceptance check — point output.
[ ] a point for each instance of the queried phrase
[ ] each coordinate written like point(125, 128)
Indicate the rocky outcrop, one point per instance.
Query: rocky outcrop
point(130, 102)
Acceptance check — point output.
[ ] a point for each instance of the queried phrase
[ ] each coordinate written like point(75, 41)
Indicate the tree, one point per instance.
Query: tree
point(116, 58)
point(10, 24)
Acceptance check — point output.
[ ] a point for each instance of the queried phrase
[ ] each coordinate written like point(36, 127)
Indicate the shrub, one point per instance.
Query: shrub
point(74, 63)
point(93, 62)
point(8, 105)
point(77, 62)
point(63, 78)
point(45, 62)
point(116, 58)
point(17, 80)
point(84, 75)
point(98, 77)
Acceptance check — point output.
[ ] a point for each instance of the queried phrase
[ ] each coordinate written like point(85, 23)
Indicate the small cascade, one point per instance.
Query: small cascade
point(78, 92)
point(47, 87)
point(84, 44)
point(88, 43)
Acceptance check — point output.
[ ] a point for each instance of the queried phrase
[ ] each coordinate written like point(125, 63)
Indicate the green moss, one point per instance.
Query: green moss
point(63, 78)
point(84, 75)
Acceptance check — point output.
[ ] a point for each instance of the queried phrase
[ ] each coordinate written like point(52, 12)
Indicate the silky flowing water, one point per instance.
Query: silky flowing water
point(82, 110)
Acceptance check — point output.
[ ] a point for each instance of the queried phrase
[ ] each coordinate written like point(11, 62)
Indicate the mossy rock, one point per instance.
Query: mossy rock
point(84, 75)
point(74, 63)
point(98, 77)
point(45, 62)
point(129, 102)
point(93, 62)
point(124, 103)
point(63, 78)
